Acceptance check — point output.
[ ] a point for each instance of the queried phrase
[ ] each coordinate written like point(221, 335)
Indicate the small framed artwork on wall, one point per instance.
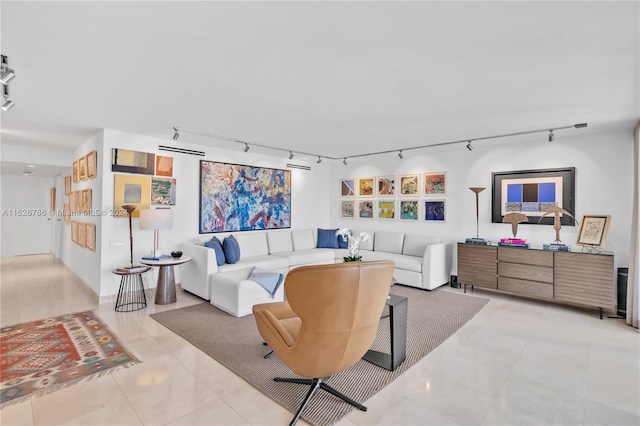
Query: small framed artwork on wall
point(386, 185)
point(593, 230)
point(92, 164)
point(348, 187)
point(386, 209)
point(67, 185)
point(76, 175)
point(365, 209)
point(366, 187)
point(82, 168)
point(86, 201)
point(91, 236)
point(347, 209)
point(67, 213)
point(434, 211)
point(434, 183)
point(410, 185)
point(82, 234)
point(409, 210)
point(74, 231)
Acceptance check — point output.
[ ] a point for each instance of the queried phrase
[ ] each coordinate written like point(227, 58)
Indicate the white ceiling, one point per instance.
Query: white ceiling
point(330, 78)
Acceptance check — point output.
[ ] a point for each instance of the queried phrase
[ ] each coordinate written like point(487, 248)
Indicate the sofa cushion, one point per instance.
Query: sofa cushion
point(304, 257)
point(279, 241)
point(401, 261)
point(327, 238)
point(231, 249)
point(415, 245)
point(252, 243)
point(390, 242)
point(216, 245)
point(303, 239)
point(366, 245)
point(269, 262)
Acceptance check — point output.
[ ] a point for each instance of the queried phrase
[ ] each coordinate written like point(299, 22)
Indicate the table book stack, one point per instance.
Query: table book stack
point(556, 247)
point(514, 242)
point(132, 269)
point(474, 240)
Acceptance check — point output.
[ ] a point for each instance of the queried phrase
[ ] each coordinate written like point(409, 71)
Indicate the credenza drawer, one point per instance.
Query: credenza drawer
point(524, 256)
point(477, 265)
point(526, 272)
point(525, 287)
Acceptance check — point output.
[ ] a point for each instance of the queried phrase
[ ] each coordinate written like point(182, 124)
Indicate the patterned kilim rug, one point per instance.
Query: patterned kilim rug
point(235, 342)
point(42, 356)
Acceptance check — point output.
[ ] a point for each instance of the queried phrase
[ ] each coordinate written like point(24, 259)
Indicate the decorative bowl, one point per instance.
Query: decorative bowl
point(176, 254)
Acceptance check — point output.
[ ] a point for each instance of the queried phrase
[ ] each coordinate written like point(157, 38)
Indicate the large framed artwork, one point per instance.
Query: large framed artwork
point(124, 160)
point(131, 189)
point(235, 197)
point(533, 192)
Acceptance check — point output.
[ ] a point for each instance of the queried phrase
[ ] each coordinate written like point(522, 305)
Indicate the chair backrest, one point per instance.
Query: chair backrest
point(339, 306)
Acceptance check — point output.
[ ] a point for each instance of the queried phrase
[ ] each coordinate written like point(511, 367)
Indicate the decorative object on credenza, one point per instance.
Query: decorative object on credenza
point(236, 197)
point(477, 240)
point(353, 244)
point(176, 254)
point(592, 234)
point(557, 211)
point(156, 219)
point(533, 192)
point(514, 219)
point(129, 208)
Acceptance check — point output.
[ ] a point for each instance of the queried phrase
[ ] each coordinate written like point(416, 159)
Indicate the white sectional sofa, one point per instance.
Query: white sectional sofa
point(420, 261)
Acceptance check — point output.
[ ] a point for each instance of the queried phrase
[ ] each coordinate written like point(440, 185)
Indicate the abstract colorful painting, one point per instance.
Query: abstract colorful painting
point(348, 188)
point(386, 185)
point(365, 187)
point(347, 209)
point(386, 209)
point(236, 197)
point(409, 185)
point(163, 191)
point(409, 210)
point(434, 211)
point(365, 209)
point(434, 183)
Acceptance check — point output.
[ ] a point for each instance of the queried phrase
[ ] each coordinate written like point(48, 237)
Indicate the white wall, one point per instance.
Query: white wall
point(604, 175)
point(310, 192)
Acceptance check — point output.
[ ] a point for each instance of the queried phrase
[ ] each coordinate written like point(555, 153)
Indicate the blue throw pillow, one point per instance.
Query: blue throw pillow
point(343, 242)
point(327, 238)
point(216, 245)
point(231, 249)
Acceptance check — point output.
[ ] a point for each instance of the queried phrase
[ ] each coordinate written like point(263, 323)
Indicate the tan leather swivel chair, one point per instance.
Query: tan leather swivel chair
point(328, 321)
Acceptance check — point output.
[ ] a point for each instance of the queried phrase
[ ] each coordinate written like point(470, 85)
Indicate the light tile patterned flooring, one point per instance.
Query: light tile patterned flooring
point(518, 362)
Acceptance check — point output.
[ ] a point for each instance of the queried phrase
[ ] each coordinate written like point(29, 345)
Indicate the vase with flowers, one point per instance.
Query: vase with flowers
point(353, 244)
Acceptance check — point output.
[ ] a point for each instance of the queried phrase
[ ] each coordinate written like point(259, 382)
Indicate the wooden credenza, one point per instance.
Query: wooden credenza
point(568, 277)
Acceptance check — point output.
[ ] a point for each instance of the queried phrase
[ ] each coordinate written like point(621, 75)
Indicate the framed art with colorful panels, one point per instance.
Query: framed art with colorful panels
point(386, 209)
point(409, 210)
point(347, 209)
point(434, 210)
point(365, 209)
point(410, 185)
point(366, 187)
point(386, 186)
point(434, 183)
point(348, 187)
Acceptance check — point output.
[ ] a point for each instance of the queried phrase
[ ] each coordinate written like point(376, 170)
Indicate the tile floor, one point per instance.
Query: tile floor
point(518, 362)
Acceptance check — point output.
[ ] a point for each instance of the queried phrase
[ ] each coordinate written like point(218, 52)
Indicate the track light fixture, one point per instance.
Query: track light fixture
point(176, 135)
point(6, 73)
point(246, 147)
point(290, 155)
point(8, 104)
point(319, 160)
point(469, 146)
point(551, 136)
point(344, 161)
point(400, 154)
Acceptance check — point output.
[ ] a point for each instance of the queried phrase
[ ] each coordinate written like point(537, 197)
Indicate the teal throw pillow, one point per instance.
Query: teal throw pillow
point(231, 249)
point(216, 245)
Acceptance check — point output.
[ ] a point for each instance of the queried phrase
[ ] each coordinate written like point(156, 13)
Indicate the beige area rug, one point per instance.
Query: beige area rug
point(235, 342)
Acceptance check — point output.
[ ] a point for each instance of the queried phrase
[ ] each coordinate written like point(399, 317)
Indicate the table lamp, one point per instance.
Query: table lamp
point(156, 219)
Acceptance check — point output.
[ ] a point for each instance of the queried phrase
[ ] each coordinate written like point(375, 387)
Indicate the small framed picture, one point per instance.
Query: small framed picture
point(593, 230)
point(76, 175)
point(347, 209)
point(78, 197)
point(92, 164)
point(409, 210)
point(410, 185)
point(82, 234)
point(82, 168)
point(67, 213)
point(67, 185)
point(434, 210)
point(366, 187)
point(86, 201)
point(74, 231)
point(348, 187)
point(91, 236)
point(434, 183)
point(386, 185)
point(386, 209)
point(72, 202)
point(365, 209)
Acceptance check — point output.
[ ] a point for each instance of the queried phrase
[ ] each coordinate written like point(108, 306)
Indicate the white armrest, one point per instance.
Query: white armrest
point(436, 265)
point(195, 274)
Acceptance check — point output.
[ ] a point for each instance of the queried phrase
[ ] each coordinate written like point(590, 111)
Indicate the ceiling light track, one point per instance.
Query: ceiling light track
point(400, 152)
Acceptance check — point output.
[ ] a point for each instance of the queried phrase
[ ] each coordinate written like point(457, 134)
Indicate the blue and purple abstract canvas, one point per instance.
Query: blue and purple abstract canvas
point(530, 197)
point(235, 197)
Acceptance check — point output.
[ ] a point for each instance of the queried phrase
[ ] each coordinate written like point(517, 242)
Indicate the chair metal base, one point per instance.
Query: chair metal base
point(315, 385)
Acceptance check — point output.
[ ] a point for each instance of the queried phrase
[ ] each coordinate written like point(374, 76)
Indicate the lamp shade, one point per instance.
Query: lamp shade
point(156, 219)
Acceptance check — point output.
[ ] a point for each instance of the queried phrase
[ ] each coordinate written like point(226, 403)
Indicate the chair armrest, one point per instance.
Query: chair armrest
point(268, 316)
point(436, 265)
point(195, 274)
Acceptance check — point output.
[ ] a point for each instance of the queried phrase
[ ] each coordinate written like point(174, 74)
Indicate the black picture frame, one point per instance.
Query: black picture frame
point(567, 176)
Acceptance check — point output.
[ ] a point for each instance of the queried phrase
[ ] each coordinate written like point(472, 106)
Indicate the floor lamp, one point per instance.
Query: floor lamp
point(129, 208)
point(156, 219)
